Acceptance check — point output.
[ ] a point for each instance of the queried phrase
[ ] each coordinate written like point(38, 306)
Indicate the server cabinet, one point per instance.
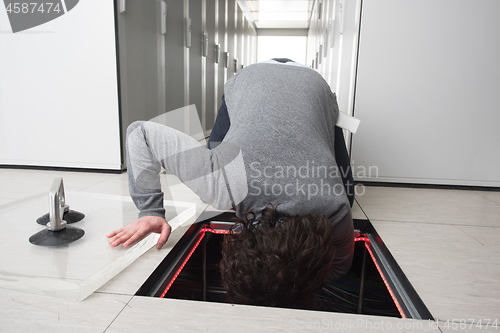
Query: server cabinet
point(223, 41)
point(210, 25)
point(59, 92)
point(246, 40)
point(175, 41)
point(195, 58)
point(231, 40)
point(141, 63)
point(427, 94)
point(239, 39)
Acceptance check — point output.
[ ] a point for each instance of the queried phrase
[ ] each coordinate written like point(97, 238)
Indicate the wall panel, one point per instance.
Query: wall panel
point(222, 76)
point(59, 92)
point(174, 55)
point(427, 93)
point(231, 37)
point(195, 58)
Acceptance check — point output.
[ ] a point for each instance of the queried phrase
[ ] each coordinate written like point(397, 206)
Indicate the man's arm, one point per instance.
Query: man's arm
point(218, 178)
point(139, 229)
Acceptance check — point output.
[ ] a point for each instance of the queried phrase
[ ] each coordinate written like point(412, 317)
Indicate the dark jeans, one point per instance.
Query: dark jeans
point(222, 124)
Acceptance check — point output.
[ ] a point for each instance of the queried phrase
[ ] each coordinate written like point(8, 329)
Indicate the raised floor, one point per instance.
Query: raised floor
point(446, 242)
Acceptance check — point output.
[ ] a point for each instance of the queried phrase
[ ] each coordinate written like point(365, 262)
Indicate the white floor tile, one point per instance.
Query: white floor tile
point(160, 315)
point(490, 195)
point(470, 325)
point(429, 205)
point(486, 236)
point(450, 254)
point(15, 203)
point(454, 273)
point(117, 185)
point(21, 312)
point(356, 212)
point(75, 270)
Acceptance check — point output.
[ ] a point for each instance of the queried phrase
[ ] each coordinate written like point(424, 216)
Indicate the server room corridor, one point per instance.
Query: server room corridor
point(416, 85)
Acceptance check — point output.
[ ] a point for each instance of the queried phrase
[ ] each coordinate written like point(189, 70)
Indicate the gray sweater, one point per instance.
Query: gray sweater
point(278, 150)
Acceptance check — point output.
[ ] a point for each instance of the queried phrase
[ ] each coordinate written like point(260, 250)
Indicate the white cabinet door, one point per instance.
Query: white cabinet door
point(58, 90)
point(427, 92)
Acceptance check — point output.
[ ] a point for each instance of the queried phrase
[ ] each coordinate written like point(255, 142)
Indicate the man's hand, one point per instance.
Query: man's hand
point(139, 229)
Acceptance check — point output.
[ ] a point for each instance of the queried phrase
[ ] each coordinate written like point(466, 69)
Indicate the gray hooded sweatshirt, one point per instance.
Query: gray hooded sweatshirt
point(279, 149)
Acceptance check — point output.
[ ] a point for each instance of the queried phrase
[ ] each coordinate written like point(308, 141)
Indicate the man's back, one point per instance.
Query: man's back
point(283, 118)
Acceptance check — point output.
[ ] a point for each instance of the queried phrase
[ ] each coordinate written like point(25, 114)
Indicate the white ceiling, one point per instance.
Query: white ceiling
point(272, 14)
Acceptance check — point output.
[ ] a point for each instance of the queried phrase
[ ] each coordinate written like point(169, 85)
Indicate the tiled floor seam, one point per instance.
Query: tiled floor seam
point(482, 196)
point(364, 213)
point(119, 313)
point(456, 227)
point(470, 324)
point(113, 293)
point(17, 202)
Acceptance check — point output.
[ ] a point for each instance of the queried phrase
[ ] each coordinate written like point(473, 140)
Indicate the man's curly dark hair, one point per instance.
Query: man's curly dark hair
point(277, 260)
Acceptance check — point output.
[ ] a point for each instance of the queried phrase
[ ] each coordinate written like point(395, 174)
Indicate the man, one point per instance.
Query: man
point(276, 165)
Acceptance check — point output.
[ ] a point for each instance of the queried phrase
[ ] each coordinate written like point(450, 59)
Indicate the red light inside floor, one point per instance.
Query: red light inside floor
point(204, 230)
point(361, 238)
point(366, 240)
